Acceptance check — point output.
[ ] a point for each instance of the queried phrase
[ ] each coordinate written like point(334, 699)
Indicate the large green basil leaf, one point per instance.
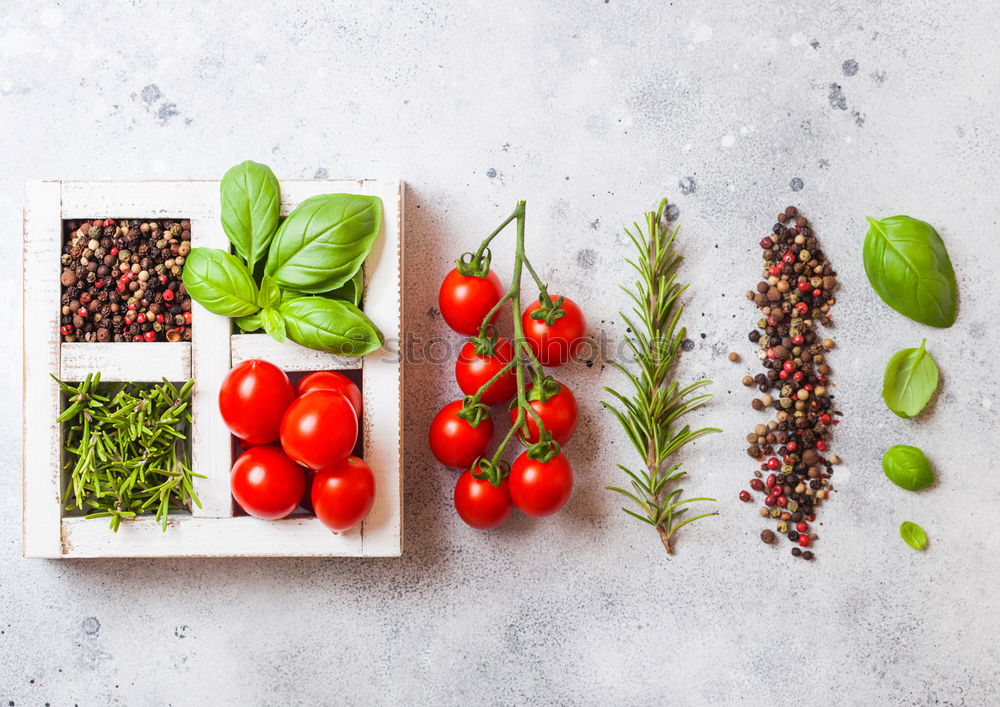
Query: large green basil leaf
point(220, 282)
point(324, 241)
point(913, 535)
point(352, 290)
point(250, 208)
point(910, 379)
point(329, 325)
point(908, 266)
point(907, 467)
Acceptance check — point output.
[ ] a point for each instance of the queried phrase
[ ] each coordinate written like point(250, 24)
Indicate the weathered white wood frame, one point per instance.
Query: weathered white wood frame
point(212, 530)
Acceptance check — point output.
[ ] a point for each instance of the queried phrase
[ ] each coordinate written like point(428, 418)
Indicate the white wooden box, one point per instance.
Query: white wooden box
point(213, 530)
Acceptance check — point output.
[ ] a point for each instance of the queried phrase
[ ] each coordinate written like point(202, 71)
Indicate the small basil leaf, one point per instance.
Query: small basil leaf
point(913, 534)
point(250, 209)
point(329, 325)
point(910, 379)
point(220, 282)
point(908, 266)
point(270, 295)
point(907, 467)
point(323, 242)
point(249, 323)
point(352, 290)
point(273, 323)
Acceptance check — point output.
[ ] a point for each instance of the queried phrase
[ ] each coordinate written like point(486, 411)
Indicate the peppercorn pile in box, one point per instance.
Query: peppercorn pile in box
point(126, 453)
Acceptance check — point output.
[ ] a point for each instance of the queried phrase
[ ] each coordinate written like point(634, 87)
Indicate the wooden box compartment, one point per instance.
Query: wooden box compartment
point(215, 529)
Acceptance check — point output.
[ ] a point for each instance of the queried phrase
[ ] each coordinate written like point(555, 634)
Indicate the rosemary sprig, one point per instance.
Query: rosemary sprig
point(126, 449)
point(651, 414)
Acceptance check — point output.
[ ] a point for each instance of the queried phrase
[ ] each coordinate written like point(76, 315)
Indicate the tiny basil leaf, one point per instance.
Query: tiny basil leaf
point(323, 242)
point(270, 295)
point(351, 290)
point(273, 323)
point(220, 282)
point(250, 208)
point(251, 322)
point(907, 467)
point(911, 377)
point(908, 266)
point(329, 325)
point(913, 534)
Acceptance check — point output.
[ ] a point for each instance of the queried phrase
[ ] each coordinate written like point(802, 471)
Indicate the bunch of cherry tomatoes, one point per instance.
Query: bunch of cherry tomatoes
point(298, 443)
point(460, 437)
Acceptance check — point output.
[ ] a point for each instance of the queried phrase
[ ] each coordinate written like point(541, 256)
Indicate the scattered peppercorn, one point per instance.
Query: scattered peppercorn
point(767, 536)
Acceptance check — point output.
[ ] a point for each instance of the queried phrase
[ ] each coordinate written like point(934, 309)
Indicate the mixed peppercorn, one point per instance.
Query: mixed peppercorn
point(121, 280)
point(795, 294)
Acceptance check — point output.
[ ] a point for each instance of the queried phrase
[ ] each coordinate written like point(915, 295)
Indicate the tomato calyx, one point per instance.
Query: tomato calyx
point(545, 449)
point(542, 389)
point(473, 411)
point(487, 470)
point(549, 309)
point(486, 343)
point(474, 264)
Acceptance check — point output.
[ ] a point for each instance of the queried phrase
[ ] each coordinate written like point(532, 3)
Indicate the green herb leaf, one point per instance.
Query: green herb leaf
point(908, 266)
point(910, 379)
point(273, 323)
point(352, 290)
point(270, 294)
point(251, 322)
point(913, 534)
point(329, 325)
point(907, 467)
point(220, 282)
point(250, 209)
point(324, 241)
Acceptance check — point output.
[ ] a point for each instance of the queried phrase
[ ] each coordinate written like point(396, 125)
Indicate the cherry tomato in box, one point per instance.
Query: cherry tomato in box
point(252, 400)
point(454, 441)
point(343, 494)
point(557, 344)
point(319, 429)
point(472, 371)
point(540, 488)
point(480, 504)
point(331, 380)
point(465, 300)
point(559, 415)
point(267, 483)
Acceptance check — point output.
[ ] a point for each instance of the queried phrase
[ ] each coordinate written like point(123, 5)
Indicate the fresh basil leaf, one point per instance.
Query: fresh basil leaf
point(270, 294)
point(908, 266)
point(910, 379)
point(220, 282)
point(250, 208)
point(907, 467)
point(913, 534)
point(274, 323)
point(329, 325)
point(324, 241)
point(249, 323)
point(352, 290)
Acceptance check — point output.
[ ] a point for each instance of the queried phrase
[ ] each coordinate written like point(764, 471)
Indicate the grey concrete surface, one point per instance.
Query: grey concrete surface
point(591, 111)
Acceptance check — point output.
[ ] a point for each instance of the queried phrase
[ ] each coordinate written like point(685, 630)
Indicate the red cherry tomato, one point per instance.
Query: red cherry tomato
point(253, 398)
point(480, 504)
point(343, 494)
point(331, 380)
point(559, 415)
point(454, 441)
point(557, 344)
point(465, 300)
point(319, 429)
point(267, 483)
point(540, 488)
point(472, 371)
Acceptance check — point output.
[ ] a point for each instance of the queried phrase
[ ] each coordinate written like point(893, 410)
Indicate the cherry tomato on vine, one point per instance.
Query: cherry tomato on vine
point(331, 380)
point(253, 397)
point(343, 494)
point(465, 300)
point(557, 344)
point(319, 429)
point(267, 483)
point(559, 415)
point(454, 441)
point(472, 371)
point(540, 488)
point(480, 504)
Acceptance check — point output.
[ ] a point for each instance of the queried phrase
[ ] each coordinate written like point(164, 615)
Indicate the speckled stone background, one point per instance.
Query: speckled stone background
point(591, 110)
